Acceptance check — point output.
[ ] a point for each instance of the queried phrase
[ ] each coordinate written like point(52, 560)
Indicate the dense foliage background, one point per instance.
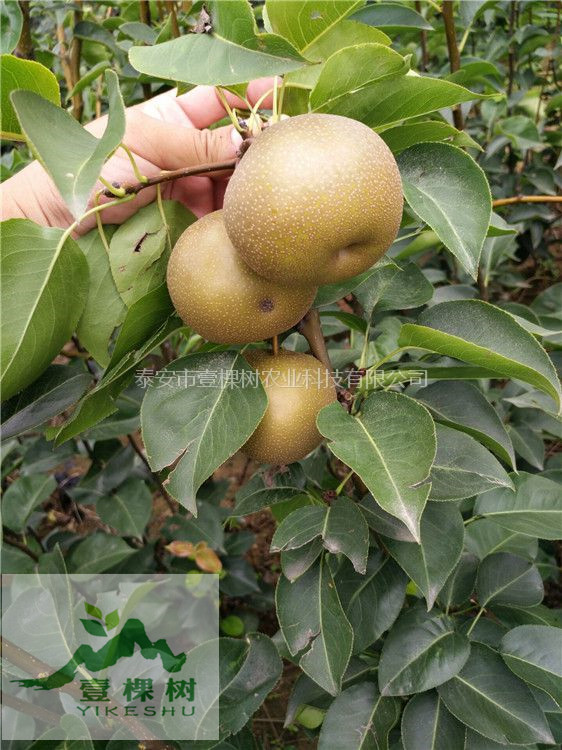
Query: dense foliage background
point(408, 604)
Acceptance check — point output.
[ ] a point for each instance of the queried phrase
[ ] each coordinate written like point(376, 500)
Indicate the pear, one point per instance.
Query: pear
point(316, 199)
point(223, 299)
point(297, 386)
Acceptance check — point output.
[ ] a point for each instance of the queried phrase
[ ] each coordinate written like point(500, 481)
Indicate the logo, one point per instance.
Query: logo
point(148, 669)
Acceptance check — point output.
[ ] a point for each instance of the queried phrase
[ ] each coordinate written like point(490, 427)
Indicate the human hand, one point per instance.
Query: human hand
point(163, 133)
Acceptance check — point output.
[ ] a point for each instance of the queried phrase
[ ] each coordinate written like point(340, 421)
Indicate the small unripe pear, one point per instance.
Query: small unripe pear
point(316, 199)
point(297, 387)
point(222, 298)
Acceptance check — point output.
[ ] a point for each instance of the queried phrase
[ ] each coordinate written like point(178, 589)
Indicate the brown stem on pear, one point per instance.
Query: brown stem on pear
point(174, 174)
point(311, 329)
point(275, 345)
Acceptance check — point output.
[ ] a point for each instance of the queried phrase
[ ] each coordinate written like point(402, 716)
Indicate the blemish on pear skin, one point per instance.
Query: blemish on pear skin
point(267, 305)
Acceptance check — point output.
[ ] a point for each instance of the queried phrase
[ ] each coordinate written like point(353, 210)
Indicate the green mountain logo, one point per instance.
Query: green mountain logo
point(121, 646)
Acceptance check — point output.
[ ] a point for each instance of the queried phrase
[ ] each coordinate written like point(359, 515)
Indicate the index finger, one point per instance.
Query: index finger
point(202, 106)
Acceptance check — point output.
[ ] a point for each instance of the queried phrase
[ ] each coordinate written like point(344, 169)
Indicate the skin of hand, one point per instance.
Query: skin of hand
point(163, 133)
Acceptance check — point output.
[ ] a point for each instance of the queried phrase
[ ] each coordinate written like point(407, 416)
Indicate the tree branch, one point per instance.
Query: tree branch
point(138, 450)
point(174, 174)
point(527, 199)
point(454, 56)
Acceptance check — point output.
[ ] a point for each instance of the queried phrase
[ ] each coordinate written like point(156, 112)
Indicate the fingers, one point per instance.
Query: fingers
point(172, 146)
point(201, 106)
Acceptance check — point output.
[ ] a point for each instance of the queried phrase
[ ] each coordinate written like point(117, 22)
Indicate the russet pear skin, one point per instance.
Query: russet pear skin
point(316, 199)
point(223, 299)
point(297, 386)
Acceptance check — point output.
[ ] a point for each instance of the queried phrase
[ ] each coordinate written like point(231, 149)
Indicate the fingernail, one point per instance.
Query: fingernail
point(236, 138)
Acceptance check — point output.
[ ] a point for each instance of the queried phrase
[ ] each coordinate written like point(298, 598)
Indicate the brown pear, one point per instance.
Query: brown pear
point(297, 386)
point(316, 199)
point(223, 299)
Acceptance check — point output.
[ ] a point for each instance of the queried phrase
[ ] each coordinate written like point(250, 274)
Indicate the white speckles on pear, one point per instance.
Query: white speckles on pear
point(220, 297)
point(298, 387)
point(316, 199)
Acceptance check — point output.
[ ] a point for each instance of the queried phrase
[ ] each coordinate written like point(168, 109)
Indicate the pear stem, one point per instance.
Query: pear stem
point(275, 345)
point(312, 331)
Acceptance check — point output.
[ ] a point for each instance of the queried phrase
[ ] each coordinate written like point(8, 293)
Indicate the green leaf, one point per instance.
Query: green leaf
point(142, 321)
point(430, 563)
point(92, 610)
point(460, 584)
point(540, 615)
point(311, 617)
point(128, 509)
point(353, 68)
point(112, 619)
point(401, 137)
point(26, 75)
point(485, 536)
point(22, 497)
point(427, 725)
point(475, 741)
point(463, 468)
point(448, 190)
point(233, 52)
point(11, 22)
point(389, 101)
point(504, 578)
point(104, 309)
point(341, 526)
point(487, 697)
point(343, 34)
point(464, 407)
point(94, 73)
point(393, 15)
point(140, 248)
point(101, 402)
point(532, 652)
point(396, 286)
point(392, 466)
point(528, 444)
point(93, 32)
point(74, 158)
point(15, 561)
point(55, 390)
point(94, 628)
point(359, 719)
point(98, 553)
point(299, 528)
point(534, 508)
point(421, 651)
point(346, 532)
point(373, 601)
point(189, 423)
point(249, 670)
point(303, 24)
point(295, 562)
point(483, 335)
point(44, 288)
point(265, 490)
point(381, 521)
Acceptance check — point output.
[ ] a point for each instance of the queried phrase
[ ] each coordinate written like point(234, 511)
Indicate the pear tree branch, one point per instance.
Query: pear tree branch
point(527, 199)
point(173, 174)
